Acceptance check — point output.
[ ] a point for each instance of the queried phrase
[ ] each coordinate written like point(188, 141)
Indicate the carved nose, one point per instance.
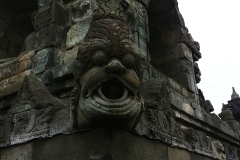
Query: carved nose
point(115, 67)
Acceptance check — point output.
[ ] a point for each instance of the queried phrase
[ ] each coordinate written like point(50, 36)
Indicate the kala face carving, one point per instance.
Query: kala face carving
point(108, 76)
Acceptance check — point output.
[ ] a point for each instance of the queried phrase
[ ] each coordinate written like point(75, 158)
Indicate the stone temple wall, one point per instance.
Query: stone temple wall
point(104, 79)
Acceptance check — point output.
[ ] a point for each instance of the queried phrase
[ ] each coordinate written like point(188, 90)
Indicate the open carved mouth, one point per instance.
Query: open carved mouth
point(111, 91)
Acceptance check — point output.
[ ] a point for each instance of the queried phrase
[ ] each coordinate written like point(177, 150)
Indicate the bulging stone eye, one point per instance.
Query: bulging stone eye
point(128, 60)
point(99, 58)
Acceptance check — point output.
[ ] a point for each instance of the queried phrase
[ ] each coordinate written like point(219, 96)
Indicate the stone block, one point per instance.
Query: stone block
point(63, 85)
point(62, 71)
point(104, 144)
point(181, 70)
point(13, 84)
point(45, 59)
point(142, 30)
point(234, 124)
point(176, 99)
point(178, 88)
point(173, 36)
point(51, 23)
point(166, 19)
point(226, 128)
point(158, 75)
point(177, 51)
point(16, 66)
point(188, 109)
point(50, 35)
point(187, 80)
point(195, 156)
point(66, 57)
point(199, 114)
point(178, 154)
point(155, 6)
point(76, 33)
point(19, 152)
point(86, 145)
point(133, 147)
point(47, 77)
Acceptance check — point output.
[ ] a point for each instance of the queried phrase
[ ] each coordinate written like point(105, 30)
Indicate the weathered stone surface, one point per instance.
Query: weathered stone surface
point(234, 124)
point(181, 70)
point(175, 60)
point(177, 51)
point(197, 73)
point(139, 26)
point(66, 57)
point(64, 70)
point(16, 66)
point(13, 84)
point(51, 22)
point(45, 59)
point(178, 88)
point(82, 14)
point(194, 156)
point(19, 152)
point(155, 6)
point(74, 37)
point(157, 120)
point(101, 144)
point(218, 150)
point(174, 36)
point(179, 154)
point(230, 151)
point(36, 113)
point(179, 101)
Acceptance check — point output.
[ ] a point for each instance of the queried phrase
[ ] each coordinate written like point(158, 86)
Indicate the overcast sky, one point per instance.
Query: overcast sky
point(215, 24)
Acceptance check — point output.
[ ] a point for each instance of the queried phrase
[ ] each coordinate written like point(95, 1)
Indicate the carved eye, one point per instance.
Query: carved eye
point(128, 60)
point(99, 58)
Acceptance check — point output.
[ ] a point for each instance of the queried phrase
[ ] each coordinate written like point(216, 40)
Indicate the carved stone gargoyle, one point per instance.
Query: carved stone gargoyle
point(108, 72)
